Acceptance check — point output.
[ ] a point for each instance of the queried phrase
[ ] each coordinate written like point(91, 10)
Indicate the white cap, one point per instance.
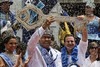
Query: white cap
point(90, 4)
point(48, 31)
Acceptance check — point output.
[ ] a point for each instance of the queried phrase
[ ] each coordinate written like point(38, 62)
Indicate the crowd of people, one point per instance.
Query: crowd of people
point(38, 52)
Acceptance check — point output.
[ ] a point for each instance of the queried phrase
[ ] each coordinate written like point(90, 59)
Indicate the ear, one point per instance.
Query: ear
point(5, 45)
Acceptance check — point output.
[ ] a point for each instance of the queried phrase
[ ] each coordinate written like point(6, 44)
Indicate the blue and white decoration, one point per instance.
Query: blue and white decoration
point(44, 5)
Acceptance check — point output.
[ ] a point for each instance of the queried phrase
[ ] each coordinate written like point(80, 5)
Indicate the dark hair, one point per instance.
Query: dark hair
point(21, 46)
point(98, 59)
point(68, 35)
point(5, 2)
point(6, 39)
point(2, 47)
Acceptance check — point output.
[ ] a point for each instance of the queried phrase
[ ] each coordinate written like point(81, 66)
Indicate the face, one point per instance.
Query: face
point(4, 34)
point(45, 40)
point(93, 50)
point(69, 42)
point(89, 11)
point(11, 45)
point(5, 6)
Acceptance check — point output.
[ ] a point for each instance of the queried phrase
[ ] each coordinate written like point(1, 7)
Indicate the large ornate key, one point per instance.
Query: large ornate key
point(41, 17)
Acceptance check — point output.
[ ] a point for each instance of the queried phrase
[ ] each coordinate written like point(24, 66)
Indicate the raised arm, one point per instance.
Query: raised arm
point(37, 35)
point(84, 33)
point(82, 47)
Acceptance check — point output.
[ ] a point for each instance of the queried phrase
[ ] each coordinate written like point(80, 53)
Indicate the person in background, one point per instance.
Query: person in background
point(42, 55)
point(93, 25)
point(7, 58)
point(2, 47)
point(73, 53)
point(4, 34)
point(7, 16)
point(21, 48)
point(93, 55)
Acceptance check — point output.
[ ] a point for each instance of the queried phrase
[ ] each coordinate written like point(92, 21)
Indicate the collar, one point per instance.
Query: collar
point(54, 53)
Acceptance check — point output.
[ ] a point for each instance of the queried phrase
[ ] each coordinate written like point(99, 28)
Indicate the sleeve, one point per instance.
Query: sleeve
point(82, 48)
point(34, 40)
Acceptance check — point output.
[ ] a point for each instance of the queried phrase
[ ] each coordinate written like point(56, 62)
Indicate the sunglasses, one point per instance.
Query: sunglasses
point(93, 47)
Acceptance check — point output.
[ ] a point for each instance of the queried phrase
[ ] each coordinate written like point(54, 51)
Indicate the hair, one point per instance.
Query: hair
point(68, 35)
point(6, 39)
point(98, 59)
point(92, 44)
point(11, 2)
point(21, 46)
point(2, 47)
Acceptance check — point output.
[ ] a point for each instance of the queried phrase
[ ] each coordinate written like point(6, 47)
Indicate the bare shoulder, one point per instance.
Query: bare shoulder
point(1, 60)
point(2, 63)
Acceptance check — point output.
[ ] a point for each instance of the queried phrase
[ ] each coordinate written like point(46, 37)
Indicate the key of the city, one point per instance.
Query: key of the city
point(41, 18)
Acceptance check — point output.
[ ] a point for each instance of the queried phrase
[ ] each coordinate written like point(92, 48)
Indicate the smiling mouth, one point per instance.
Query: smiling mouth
point(46, 43)
point(69, 47)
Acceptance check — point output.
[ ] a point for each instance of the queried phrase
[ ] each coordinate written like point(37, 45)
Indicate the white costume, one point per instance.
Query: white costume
point(37, 59)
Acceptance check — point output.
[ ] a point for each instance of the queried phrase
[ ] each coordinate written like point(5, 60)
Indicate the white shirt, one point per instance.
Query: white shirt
point(37, 59)
point(88, 63)
point(82, 48)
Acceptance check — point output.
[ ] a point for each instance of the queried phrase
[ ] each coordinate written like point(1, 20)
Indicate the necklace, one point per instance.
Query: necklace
point(11, 56)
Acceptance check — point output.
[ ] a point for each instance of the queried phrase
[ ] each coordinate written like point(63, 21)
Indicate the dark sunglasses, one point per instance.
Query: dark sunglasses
point(93, 47)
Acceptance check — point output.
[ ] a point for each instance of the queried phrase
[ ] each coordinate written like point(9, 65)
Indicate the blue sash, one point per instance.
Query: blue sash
point(65, 58)
point(7, 60)
point(48, 59)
